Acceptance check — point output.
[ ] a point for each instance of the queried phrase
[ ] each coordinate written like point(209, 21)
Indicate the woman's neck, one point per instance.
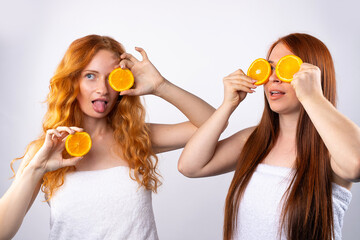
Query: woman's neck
point(95, 126)
point(288, 125)
point(283, 153)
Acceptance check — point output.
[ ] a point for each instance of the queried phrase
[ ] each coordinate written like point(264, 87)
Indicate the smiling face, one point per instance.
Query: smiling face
point(280, 95)
point(96, 98)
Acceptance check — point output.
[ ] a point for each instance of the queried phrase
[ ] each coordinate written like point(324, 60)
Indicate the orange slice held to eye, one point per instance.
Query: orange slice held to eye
point(121, 79)
point(259, 70)
point(287, 66)
point(78, 144)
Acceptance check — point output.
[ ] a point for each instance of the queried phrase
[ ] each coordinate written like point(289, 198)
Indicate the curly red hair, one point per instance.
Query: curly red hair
point(127, 118)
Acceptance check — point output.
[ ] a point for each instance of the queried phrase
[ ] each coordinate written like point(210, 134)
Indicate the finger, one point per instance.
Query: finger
point(241, 85)
point(48, 136)
point(237, 72)
point(117, 66)
point(77, 129)
point(296, 75)
point(292, 83)
point(65, 129)
point(305, 74)
point(129, 56)
point(306, 65)
point(53, 132)
point(242, 88)
point(71, 161)
point(249, 85)
point(241, 78)
point(303, 68)
point(130, 92)
point(125, 63)
point(244, 83)
point(74, 129)
point(142, 52)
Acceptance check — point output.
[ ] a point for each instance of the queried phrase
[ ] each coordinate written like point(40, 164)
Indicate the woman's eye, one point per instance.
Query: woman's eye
point(90, 76)
point(272, 68)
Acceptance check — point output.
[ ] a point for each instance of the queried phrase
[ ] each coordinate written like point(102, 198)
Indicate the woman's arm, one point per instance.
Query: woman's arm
point(18, 199)
point(340, 135)
point(203, 155)
point(148, 80)
point(166, 137)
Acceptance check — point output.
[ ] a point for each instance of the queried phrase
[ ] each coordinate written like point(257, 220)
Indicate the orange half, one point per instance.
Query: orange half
point(78, 144)
point(287, 66)
point(260, 71)
point(121, 79)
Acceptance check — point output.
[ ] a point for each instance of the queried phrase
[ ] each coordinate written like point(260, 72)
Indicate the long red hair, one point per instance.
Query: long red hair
point(127, 117)
point(307, 210)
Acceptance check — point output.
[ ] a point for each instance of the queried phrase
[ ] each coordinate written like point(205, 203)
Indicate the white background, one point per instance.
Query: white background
point(194, 44)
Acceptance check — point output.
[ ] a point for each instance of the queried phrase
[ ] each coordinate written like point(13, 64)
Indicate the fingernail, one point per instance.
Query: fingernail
point(122, 66)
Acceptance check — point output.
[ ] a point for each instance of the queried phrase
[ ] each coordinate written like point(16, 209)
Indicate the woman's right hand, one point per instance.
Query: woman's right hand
point(236, 86)
point(148, 79)
point(49, 157)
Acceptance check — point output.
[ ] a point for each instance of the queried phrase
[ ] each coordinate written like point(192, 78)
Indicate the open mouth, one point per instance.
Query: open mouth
point(99, 105)
point(106, 102)
point(274, 93)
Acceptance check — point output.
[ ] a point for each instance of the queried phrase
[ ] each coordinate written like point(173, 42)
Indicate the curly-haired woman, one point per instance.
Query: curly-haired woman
point(105, 194)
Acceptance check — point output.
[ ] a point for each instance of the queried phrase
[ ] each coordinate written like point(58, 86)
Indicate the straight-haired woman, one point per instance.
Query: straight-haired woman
point(294, 170)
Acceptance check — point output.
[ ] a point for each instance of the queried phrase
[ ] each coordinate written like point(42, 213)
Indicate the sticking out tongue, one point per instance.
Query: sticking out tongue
point(99, 106)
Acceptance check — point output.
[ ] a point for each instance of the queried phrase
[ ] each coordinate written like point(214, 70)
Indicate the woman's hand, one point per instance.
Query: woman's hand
point(307, 82)
point(49, 157)
point(236, 86)
point(148, 79)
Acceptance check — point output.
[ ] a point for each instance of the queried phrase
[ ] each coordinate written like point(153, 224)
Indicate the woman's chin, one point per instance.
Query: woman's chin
point(285, 110)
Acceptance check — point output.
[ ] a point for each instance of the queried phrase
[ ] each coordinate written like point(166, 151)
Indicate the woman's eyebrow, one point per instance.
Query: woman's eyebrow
point(89, 70)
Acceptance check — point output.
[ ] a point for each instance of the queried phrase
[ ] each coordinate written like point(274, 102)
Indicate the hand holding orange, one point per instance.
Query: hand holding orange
point(78, 144)
point(121, 79)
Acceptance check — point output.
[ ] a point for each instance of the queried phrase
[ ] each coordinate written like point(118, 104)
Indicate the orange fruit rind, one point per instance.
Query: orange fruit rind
point(121, 79)
point(260, 71)
point(78, 144)
point(287, 66)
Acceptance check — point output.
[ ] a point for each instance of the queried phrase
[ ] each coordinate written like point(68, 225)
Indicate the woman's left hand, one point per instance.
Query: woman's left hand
point(148, 79)
point(307, 82)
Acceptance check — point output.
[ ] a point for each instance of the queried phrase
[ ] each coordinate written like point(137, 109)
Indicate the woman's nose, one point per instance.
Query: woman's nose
point(273, 77)
point(101, 86)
